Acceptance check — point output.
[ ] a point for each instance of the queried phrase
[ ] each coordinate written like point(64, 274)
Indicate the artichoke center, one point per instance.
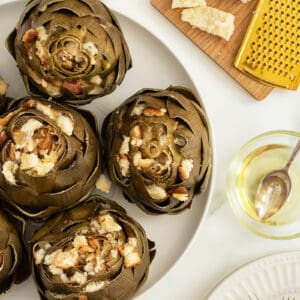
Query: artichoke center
point(70, 59)
point(34, 148)
point(153, 149)
point(94, 251)
point(35, 144)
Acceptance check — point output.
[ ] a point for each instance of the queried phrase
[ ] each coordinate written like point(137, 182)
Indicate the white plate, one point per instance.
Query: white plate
point(154, 66)
point(274, 277)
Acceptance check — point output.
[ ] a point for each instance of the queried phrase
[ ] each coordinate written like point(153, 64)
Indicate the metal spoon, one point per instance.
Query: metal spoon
point(274, 189)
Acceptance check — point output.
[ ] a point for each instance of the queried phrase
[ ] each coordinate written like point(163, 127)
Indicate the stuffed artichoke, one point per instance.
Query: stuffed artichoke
point(158, 148)
point(90, 252)
point(11, 253)
point(49, 156)
point(72, 50)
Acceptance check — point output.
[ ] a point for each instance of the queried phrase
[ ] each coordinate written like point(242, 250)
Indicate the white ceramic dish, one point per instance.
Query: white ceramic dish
point(155, 66)
point(274, 277)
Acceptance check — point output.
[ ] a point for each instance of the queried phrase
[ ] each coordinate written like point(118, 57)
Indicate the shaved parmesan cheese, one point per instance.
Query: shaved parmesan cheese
point(9, 170)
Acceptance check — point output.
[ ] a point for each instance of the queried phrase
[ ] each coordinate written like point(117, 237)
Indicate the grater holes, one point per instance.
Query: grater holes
point(274, 47)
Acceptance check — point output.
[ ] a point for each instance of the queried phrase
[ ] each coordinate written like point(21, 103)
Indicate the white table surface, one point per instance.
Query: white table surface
point(222, 244)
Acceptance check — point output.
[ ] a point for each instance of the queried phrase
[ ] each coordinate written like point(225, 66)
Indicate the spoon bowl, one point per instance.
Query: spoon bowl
point(274, 189)
point(272, 193)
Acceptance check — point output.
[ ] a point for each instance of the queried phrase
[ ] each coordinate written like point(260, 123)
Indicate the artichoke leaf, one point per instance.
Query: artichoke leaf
point(13, 259)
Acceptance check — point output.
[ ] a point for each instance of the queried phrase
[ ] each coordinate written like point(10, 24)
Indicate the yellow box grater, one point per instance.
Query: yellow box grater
point(270, 50)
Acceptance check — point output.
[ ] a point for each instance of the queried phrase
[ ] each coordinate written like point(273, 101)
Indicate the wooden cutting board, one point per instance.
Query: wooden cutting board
point(221, 51)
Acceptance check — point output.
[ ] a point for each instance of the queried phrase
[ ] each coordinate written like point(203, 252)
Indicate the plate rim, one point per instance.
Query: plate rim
point(238, 271)
point(211, 184)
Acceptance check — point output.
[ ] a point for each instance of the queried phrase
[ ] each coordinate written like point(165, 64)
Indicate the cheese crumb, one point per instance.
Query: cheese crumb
point(91, 48)
point(108, 224)
point(211, 20)
point(138, 109)
point(23, 138)
point(96, 80)
point(40, 253)
point(124, 165)
point(103, 184)
point(80, 241)
point(187, 3)
point(124, 149)
point(39, 256)
point(185, 168)
point(55, 271)
point(132, 259)
point(95, 286)
point(62, 259)
point(65, 123)
point(9, 170)
point(32, 161)
point(42, 33)
point(79, 278)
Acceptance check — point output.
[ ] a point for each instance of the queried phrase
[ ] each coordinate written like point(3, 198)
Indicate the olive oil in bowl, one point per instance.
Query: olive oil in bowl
point(255, 166)
point(265, 153)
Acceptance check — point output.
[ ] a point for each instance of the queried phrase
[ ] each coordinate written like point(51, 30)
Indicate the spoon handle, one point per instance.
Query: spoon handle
point(293, 155)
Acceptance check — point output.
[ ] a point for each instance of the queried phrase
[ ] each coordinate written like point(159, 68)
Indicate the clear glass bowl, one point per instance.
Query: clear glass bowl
point(262, 154)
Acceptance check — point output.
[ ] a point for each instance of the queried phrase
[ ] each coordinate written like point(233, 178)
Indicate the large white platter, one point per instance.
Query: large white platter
point(274, 277)
point(154, 66)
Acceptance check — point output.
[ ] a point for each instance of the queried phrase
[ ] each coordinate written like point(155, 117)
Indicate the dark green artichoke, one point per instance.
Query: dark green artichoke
point(3, 90)
point(3, 87)
point(90, 252)
point(72, 50)
point(158, 148)
point(49, 156)
point(11, 253)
